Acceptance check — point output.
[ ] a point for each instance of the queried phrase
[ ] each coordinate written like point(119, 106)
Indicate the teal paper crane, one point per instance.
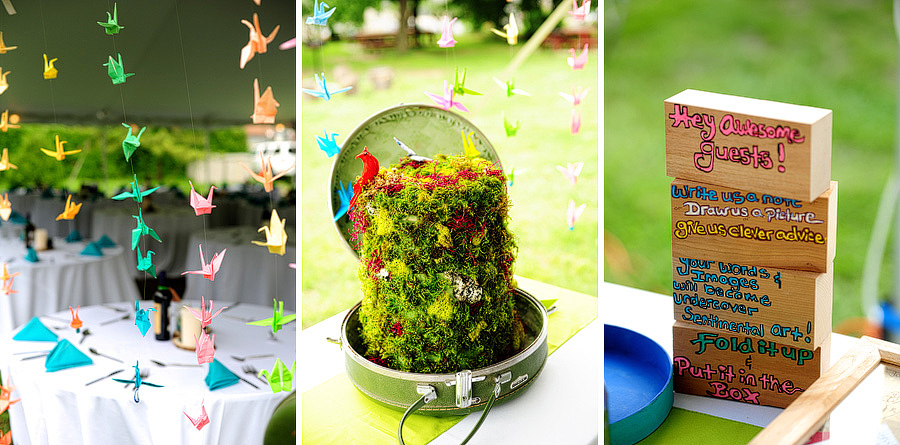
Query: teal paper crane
point(116, 70)
point(328, 144)
point(280, 379)
point(137, 381)
point(346, 195)
point(131, 142)
point(320, 15)
point(145, 263)
point(111, 25)
point(323, 92)
point(278, 319)
point(136, 194)
point(141, 230)
point(142, 318)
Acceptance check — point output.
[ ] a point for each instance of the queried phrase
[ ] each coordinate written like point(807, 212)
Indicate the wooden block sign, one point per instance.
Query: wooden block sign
point(749, 144)
point(745, 369)
point(753, 228)
point(781, 305)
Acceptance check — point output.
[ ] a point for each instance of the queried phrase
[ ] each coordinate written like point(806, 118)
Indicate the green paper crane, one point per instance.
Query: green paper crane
point(131, 142)
point(511, 130)
point(141, 230)
point(459, 87)
point(278, 320)
point(145, 263)
point(116, 71)
point(136, 194)
point(280, 378)
point(111, 25)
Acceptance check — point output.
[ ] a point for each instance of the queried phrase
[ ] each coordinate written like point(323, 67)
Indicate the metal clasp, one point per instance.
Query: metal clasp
point(463, 385)
point(427, 391)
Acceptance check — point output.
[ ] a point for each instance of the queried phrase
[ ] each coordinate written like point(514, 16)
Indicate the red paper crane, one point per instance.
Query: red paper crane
point(370, 169)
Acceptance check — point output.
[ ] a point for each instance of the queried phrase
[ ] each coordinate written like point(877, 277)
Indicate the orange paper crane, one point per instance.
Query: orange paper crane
point(264, 107)
point(5, 394)
point(76, 322)
point(5, 207)
point(59, 154)
point(6, 287)
point(3, 82)
point(258, 42)
point(6, 438)
point(49, 71)
point(265, 174)
point(8, 121)
point(70, 211)
point(3, 47)
point(4, 161)
point(6, 275)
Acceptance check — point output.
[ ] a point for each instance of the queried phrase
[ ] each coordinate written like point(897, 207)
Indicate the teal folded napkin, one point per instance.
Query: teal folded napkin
point(73, 236)
point(219, 376)
point(105, 242)
point(35, 331)
point(65, 355)
point(92, 249)
point(31, 255)
point(17, 218)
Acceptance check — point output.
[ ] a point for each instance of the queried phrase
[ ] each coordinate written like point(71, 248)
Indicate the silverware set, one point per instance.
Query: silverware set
point(250, 369)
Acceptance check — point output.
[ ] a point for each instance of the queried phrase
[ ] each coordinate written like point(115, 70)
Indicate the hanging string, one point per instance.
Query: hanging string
point(44, 32)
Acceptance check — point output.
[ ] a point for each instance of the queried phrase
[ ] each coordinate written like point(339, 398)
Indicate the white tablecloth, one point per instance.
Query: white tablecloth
point(44, 210)
point(58, 408)
point(249, 272)
point(61, 278)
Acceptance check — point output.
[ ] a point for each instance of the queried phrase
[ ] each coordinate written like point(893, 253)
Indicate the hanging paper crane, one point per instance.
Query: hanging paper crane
point(280, 378)
point(320, 16)
point(575, 126)
point(510, 87)
point(510, 129)
point(459, 86)
point(370, 169)
point(208, 270)
point(8, 121)
point(60, 153)
point(201, 205)
point(446, 40)
point(142, 229)
point(345, 195)
point(4, 84)
point(511, 33)
point(6, 287)
point(265, 176)
point(578, 62)
point(511, 176)
point(258, 42)
point(469, 144)
point(4, 161)
point(5, 207)
point(580, 12)
point(76, 322)
point(571, 171)
point(116, 70)
point(205, 349)
point(573, 213)
point(142, 318)
point(6, 395)
point(202, 420)
point(276, 236)
point(204, 315)
point(6, 275)
point(328, 145)
point(131, 142)
point(137, 381)
point(111, 25)
point(136, 194)
point(322, 91)
point(278, 319)
point(264, 107)
point(576, 97)
point(49, 71)
point(446, 101)
point(145, 263)
point(70, 210)
point(3, 47)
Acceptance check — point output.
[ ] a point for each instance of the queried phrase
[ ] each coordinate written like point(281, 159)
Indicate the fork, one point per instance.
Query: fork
point(250, 369)
point(159, 363)
point(124, 317)
point(96, 352)
point(240, 359)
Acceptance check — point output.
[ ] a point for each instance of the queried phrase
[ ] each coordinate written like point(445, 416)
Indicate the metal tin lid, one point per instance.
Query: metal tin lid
point(426, 129)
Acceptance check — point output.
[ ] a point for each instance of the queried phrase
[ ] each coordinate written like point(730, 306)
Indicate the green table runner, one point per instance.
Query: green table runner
point(689, 428)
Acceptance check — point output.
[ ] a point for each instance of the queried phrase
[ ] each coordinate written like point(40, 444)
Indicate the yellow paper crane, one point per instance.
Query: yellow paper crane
point(276, 237)
point(3, 47)
point(8, 121)
point(265, 175)
point(4, 161)
point(5, 207)
point(49, 71)
point(264, 107)
point(59, 154)
point(70, 211)
point(512, 31)
point(469, 144)
point(3, 83)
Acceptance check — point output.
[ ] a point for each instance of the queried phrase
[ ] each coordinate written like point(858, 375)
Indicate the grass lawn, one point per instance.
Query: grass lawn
point(548, 251)
point(829, 54)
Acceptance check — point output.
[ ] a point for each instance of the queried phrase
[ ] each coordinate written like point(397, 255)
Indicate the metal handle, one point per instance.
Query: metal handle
point(428, 394)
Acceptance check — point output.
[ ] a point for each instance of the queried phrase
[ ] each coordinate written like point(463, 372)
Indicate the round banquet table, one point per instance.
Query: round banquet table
point(61, 278)
point(57, 407)
point(44, 210)
point(249, 272)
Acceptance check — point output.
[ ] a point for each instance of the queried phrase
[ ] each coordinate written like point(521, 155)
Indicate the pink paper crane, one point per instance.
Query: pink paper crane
point(578, 62)
point(258, 42)
point(265, 174)
point(201, 205)
point(446, 101)
point(265, 107)
point(576, 97)
point(446, 40)
point(206, 349)
point(573, 213)
point(580, 12)
point(202, 420)
point(571, 171)
point(208, 270)
point(204, 315)
point(576, 121)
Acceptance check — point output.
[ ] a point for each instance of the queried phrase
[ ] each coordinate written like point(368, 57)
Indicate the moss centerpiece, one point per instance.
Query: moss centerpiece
point(436, 266)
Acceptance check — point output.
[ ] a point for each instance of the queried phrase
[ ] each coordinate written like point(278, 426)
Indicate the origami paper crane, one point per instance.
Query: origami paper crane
point(578, 62)
point(70, 210)
point(204, 315)
point(280, 379)
point(142, 318)
point(145, 263)
point(276, 236)
point(512, 31)
point(446, 101)
point(576, 97)
point(205, 347)
point(322, 91)
point(136, 194)
point(446, 40)
point(469, 144)
point(137, 381)
point(278, 320)
point(265, 176)
point(459, 87)
point(4, 84)
point(8, 121)
point(200, 421)
point(6, 275)
point(264, 107)
point(6, 287)
point(201, 205)
point(288, 44)
point(142, 229)
point(580, 12)
point(345, 195)
point(116, 71)
point(6, 438)
point(76, 322)
point(370, 169)
point(208, 270)
point(4, 161)
point(510, 87)
point(572, 214)
point(571, 171)
point(111, 25)
point(5, 207)
point(59, 154)
point(49, 71)
point(576, 121)
point(5, 396)
point(3, 47)
point(329, 146)
point(511, 130)
point(320, 16)
point(131, 142)
point(258, 43)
